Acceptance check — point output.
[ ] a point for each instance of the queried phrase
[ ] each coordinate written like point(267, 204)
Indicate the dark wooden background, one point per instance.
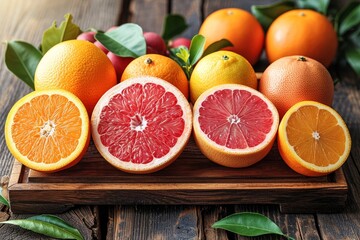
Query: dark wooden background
point(26, 20)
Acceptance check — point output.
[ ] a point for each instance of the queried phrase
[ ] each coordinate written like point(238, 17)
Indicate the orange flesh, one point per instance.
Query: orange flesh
point(317, 140)
point(47, 134)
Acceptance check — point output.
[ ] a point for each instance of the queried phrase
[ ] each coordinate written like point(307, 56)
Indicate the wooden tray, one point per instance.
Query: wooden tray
point(191, 179)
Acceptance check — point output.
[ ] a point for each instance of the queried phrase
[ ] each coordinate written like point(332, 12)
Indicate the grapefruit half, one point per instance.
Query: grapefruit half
point(141, 125)
point(234, 125)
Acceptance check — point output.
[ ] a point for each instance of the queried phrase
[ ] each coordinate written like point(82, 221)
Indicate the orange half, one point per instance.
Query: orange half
point(48, 130)
point(313, 139)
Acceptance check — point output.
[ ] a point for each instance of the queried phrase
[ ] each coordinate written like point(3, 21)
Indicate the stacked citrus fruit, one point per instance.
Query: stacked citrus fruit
point(143, 123)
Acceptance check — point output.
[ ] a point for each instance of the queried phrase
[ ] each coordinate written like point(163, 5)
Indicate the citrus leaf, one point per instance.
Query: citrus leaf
point(54, 35)
point(22, 58)
point(352, 56)
point(248, 224)
point(348, 18)
point(3, 200)
point(354, 38)
point(196, 48)
point(319, 5)
point(216, 46)
point(182, 53)
point(126, 41)
point(266, 14)
point(48, 225)
point(174, 24)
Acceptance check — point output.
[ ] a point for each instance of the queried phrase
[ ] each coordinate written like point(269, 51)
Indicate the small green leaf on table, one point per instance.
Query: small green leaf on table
point(48, 225)
point(22, 58)
point(3, 200)
point(174, 24)
point(54, 35)
point(318, 5)
point(266, 14)
point(126, 41)
point(249, 224)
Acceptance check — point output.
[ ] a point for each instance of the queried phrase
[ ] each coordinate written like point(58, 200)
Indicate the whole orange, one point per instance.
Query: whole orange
point(159, 66)
point(302, 32)
point(293, 79)
point(219, 68)
point(239, 27)
point(79, 67)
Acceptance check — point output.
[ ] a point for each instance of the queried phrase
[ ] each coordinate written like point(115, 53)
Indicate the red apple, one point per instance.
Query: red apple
point(99, 45)
point(87, 36)
point(181, 41)
point(119, 63)
point(154, 43)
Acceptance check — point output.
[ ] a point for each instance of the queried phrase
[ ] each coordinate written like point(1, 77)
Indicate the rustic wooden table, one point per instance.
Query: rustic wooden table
point(26, 20)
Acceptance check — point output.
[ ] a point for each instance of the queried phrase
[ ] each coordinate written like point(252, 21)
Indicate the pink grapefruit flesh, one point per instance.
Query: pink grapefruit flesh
point(234, 125)
point(141, 125)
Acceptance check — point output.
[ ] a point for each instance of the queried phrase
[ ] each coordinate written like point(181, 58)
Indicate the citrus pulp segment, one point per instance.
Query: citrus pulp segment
point(234, 125)
point(142, 124)
point(48, 130)
point(313, 139)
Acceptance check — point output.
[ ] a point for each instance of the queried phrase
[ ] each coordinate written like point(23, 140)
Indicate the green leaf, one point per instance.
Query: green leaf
point(266, 14)
point(174, 24)
point(348, 18)
point(216, 46)
point(127, 40)
point(183, 53)
point(3, 200)
point(248, 224)
point(196, 48)
point(48, 225)
point(318, 5)
point(22, 58)
point(352, 56)
point(54, 35)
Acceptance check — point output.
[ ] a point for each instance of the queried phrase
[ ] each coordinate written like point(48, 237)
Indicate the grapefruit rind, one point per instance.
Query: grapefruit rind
point(64, 163)
point(158, 163)
point(235, 158)
point(293, 160)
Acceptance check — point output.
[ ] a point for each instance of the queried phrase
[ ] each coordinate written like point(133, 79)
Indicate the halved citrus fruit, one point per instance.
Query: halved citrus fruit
point(142, 124)
point(234, 125)
point(48, 130)
point(313, 139)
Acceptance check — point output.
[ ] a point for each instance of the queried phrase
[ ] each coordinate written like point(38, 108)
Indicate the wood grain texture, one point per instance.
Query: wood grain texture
point(22, 19)
point(26, 20)
point(163, 222)
point(346, 102)
point(191, 11)
point(149, 14)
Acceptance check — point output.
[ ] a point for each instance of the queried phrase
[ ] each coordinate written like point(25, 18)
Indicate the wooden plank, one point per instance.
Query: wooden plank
point(148, 14)
point(26, 20)
point(191, 166)
point(162, 222)
point(291, 193)
point(190, 10)
point(346, 98)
